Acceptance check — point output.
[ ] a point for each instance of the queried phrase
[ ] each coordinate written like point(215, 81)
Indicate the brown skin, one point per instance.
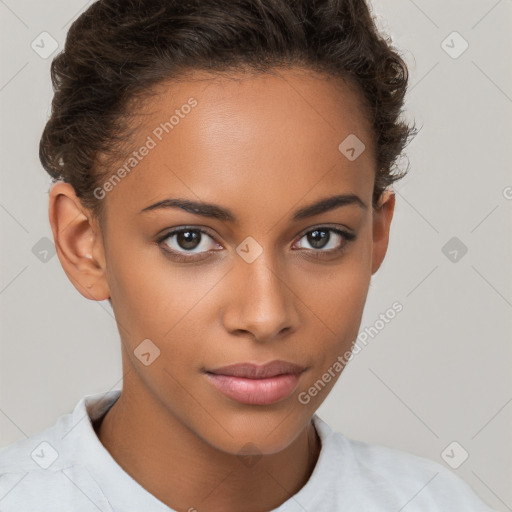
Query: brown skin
point(263, 147)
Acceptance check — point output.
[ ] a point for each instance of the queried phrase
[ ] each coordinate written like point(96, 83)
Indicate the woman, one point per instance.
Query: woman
point(223, 177)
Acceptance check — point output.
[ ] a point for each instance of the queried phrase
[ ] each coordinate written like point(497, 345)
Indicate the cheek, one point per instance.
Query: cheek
point(146, 289)
point(338, 293)
point(161, 301)
point(338, 307)
point(336, 300)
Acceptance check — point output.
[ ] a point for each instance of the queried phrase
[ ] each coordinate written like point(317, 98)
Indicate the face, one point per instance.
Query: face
point(259, 281)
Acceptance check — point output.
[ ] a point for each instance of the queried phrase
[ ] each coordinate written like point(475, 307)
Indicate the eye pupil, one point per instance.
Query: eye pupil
point(316, 241)
point(188, 239)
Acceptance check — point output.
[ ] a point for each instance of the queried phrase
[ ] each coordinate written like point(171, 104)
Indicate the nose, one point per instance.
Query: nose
point(260, 301)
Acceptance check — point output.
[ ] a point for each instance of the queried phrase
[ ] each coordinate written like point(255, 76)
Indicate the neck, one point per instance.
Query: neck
point(184, 472)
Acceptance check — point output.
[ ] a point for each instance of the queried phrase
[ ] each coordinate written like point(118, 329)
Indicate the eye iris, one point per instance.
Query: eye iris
point(188, 239)
point(313, 238)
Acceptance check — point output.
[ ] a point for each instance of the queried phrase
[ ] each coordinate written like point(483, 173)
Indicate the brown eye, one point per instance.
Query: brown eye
point(187, 243)
point(318, 238)
point(188, 239)
point(324, 243)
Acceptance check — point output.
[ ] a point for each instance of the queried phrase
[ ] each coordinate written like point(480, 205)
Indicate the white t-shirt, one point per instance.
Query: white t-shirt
point(65, 468)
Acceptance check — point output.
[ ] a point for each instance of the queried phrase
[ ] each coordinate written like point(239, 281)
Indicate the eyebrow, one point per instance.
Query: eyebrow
point(218, 212)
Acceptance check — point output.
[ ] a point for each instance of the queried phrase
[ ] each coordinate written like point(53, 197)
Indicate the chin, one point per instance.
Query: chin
point(246, 435)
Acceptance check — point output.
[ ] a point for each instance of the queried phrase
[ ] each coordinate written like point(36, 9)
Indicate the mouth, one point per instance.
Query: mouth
point(254, 384)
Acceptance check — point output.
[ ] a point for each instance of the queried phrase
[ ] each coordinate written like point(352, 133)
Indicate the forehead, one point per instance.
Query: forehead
point(255, 137)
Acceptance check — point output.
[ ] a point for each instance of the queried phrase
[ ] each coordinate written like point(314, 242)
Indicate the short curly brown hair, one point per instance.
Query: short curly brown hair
point(117, 51)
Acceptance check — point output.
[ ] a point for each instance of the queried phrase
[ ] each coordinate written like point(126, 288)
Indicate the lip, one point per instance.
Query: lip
point(254, 384)
point(258, 371)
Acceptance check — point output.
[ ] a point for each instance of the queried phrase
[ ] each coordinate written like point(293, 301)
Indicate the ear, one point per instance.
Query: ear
point(382, 216)
point(78, 242)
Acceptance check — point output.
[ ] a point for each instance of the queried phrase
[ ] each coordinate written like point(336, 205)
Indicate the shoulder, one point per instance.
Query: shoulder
point(48, 467)
point(397, 478)
point(33, 471)
point(31, 454)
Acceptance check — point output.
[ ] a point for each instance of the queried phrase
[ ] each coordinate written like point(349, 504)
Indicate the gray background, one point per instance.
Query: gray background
point(438, 372)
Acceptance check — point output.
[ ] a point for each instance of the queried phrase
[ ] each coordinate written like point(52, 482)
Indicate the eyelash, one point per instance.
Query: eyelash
point(347, 236)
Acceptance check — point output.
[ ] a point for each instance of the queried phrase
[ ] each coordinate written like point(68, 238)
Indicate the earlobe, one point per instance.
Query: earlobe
point(78, 242)
point(382, 217)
